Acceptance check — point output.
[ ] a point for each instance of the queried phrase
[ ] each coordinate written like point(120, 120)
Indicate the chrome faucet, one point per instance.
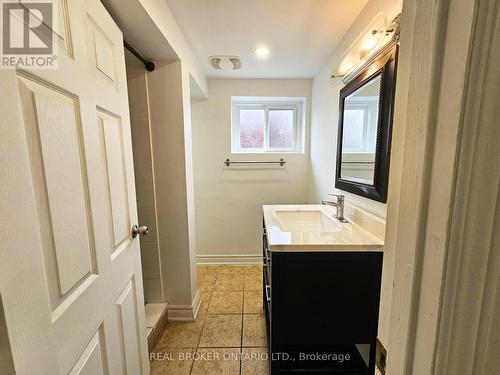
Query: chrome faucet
point(339, 205)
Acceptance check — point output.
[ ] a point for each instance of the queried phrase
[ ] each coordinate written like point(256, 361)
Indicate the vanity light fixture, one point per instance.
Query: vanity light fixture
point(261, 52)
point(365, 50)
point(348, 64)
point(373, 40)
point(370, 41)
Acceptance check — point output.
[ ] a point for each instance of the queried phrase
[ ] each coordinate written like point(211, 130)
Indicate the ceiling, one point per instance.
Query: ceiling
point(301, 34)
point(139, 30)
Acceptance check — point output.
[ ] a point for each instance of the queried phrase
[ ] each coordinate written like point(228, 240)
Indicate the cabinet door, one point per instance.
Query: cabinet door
point(337, 292)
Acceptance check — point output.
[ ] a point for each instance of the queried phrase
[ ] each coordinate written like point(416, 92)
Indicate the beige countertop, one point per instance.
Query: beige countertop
point(314, 228)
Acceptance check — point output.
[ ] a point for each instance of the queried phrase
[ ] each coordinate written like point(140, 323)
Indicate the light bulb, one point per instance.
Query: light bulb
point(261, 52)
point(372, 40)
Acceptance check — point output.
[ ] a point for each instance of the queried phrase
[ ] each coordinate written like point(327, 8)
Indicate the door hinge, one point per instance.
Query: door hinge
point(381, 357)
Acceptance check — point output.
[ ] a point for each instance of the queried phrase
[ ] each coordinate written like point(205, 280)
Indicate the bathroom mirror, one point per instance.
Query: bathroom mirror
point(364, 135)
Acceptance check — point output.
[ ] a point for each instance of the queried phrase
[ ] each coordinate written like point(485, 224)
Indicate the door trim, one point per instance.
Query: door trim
point(470, 292)
point(430, 91)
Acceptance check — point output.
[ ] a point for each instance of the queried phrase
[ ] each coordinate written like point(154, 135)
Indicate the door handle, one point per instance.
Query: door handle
point(139, 230)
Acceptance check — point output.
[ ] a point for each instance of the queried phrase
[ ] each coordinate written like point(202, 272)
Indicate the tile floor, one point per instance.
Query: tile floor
point(229, 335)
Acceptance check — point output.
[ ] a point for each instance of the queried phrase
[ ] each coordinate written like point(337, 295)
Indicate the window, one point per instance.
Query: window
point(360, 125)
point(264, 124)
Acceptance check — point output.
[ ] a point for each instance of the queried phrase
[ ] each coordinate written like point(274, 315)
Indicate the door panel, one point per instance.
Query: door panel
point(93, 359)
point(112, 143)
point(127, 316)
point(70, 277)
point(64, 32)
point(60, 185)
point(101, 50)
point(56, 149)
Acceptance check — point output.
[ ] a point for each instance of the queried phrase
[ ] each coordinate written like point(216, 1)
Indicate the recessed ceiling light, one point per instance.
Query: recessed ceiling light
point(261, 52)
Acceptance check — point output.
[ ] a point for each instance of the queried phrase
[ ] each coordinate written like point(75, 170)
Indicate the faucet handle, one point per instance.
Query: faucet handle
point(340, 197)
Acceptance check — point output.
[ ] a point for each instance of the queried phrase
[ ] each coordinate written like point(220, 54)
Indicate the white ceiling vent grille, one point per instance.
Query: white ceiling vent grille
point(225, 62)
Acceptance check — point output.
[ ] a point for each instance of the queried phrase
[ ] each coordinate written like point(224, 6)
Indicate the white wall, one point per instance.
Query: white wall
point(170, 129)
point(164, 20)
point(229, 201)
point(324, 112)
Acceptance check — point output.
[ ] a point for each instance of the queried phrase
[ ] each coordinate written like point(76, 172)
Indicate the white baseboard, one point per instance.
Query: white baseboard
point(196, 304)
point(230, 259)
point(185, 313)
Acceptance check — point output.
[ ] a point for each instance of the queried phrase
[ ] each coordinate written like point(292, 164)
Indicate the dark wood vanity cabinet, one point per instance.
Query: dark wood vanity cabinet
point(321, 310)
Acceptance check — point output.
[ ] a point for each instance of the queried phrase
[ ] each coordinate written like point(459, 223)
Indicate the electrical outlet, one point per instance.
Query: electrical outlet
point(381, 357)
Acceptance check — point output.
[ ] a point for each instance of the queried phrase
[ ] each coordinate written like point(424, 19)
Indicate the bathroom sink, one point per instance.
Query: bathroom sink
point(313, 227)
point(306, 221)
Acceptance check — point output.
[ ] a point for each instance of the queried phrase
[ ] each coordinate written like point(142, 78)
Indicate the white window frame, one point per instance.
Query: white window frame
point(297, 104)
point(369, 105)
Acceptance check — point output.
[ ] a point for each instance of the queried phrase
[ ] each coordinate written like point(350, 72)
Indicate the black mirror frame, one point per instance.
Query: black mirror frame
point(385, 66)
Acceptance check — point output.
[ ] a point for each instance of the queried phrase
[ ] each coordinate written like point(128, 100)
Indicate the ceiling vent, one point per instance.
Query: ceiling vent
point(225, 62)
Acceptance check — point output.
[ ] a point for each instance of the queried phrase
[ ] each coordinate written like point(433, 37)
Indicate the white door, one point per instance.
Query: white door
point(70, 272)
